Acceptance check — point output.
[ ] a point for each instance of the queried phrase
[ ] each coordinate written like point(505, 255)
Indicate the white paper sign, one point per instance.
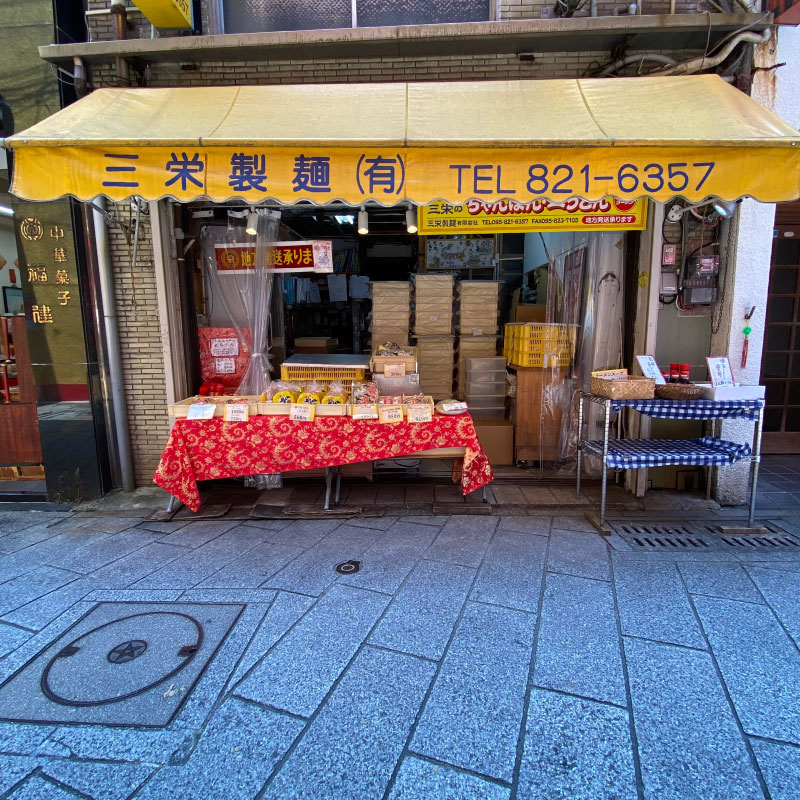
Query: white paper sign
point(365, 411)
point(650, 368)
point(236, 412)
point(224, 347)
point(225, 366)
point(394, 370)
point(390, 414)
point(200, 411)
point(302, 412)
point(720, 372)
point(420, 413)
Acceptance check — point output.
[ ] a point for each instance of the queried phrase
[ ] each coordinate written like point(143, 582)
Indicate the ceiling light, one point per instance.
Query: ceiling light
point(724, 208)
point(363, 221)
point(252, 223)
point(411, 220)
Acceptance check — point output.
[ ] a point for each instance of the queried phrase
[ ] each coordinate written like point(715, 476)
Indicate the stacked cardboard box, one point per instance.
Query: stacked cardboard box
point(477, 307)
point(435, 361)
point(433, 305)
point(472, 347)
point(391, 311)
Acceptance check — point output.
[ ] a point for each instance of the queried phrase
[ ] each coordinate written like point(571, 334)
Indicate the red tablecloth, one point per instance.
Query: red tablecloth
point(203, 450)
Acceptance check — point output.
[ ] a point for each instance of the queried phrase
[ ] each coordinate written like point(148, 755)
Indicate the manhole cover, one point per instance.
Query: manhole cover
point(348, 567)
point(701, 537)
point(122, 664)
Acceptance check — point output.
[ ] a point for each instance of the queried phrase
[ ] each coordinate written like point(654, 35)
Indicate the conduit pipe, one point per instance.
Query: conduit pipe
point(709, 62)
point(111, 327)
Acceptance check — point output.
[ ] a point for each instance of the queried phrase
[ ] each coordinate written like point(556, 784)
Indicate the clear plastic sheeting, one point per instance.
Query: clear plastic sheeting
point(581, 284)
point(245, 293)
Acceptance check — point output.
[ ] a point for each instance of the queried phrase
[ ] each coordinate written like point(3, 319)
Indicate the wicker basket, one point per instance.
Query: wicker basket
point(632, 388)
point(679, 391)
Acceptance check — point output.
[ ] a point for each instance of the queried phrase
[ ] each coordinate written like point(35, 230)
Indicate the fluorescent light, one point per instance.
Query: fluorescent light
point(344, 219)
point(252, 223)
point(411, 220)
point(363, 221)
point(5, 211)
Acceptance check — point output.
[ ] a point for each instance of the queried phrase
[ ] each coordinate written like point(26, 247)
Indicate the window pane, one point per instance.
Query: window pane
point(792, 419)
point(795, 365)
point(784, 281)
point(794, 393)
point(775, 365)
point(252, 16)
point(373, 13)
point(781, 309)
point(772, 419)
point(776, 392)
point(779, 337)
point(787, 251)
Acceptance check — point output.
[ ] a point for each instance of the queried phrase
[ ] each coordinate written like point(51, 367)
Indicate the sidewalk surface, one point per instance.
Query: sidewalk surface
point(479, 658)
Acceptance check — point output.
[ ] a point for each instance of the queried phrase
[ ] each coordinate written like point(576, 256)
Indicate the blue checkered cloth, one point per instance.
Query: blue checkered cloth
point(693, 409)
point(636, 453)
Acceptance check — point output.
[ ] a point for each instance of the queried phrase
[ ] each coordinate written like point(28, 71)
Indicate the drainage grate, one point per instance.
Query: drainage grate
point(120, 664)
point(700, 537)
point(348, 567)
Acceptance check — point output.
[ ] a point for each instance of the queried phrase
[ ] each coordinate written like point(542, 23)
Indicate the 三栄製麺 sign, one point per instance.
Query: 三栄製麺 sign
point(479, 216)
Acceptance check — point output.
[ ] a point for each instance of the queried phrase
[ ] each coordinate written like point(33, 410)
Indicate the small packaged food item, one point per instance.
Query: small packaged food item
point(282, 392)
point(391, 400)
point(335, 395)
point(365, 392)
point(312, 393)
point(414, 399)
point(392, 349)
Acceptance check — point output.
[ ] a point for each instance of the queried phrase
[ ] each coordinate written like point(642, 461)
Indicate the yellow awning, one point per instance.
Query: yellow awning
point(693, 136)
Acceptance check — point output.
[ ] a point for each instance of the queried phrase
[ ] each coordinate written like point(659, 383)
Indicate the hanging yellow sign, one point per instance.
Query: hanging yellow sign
point(167, 13)
point(507, 216)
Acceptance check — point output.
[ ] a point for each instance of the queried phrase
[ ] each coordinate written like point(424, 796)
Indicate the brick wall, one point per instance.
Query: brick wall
point(140, 343)
point(101, 26)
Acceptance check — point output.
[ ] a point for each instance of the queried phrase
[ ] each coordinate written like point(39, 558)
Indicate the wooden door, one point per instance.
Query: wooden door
point(780, 363)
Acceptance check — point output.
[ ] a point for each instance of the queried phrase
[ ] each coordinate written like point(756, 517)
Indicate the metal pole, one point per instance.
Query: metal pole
point(111, 326)
point(580, 444)
point(756, 459)
point(606, 426)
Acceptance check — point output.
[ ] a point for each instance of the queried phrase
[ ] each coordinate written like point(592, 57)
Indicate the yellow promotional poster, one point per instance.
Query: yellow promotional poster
point(504, 216)
point(167, 13)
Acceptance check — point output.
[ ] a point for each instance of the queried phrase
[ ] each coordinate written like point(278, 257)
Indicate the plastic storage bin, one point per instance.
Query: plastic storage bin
point(493, 364)
point(488, 414)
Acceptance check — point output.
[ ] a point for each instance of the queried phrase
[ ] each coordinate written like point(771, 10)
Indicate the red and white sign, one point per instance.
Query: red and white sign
point(310, 256)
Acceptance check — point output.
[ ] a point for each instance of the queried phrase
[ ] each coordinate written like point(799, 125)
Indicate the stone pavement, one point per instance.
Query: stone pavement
point(480, 658)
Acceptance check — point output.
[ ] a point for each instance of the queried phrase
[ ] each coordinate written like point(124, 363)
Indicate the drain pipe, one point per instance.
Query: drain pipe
point(121, 430)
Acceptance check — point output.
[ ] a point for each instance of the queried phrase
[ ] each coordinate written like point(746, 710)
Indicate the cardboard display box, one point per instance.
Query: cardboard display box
point(497, 440)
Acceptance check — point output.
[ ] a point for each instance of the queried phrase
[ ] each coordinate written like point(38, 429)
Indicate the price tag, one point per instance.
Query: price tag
point(302, 412)
point(390, 414)
point(394, 370)
point(433, 317)
point(200, 411)
point(225, 366)
point(237, 412)
point(224, 347)
point(421, 412)
point(365, 411)
point(477, 331)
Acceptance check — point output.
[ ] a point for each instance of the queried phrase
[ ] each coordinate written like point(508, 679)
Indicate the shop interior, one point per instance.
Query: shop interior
point(523, 401)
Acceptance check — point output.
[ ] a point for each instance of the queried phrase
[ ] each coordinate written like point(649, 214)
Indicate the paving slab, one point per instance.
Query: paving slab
point(253, 568)
point(759, 663)
point(97, 554)
point(302, 533)
point(36, 788)
point(42, 611)
point(299, 671)
point(422, 615)
point(132, 568)
point(234, 758)
point(781, 590)
point(539, 526)
point(23, 740)
point(577, 553)
point(352, 746)
point(11, 638)
point(14, 769)
point(419, 779)
point(463, 540)
point(473, 716)
point(578, 650)
point(576, 749)
point(40, 581)
point(196, 534)
point(720, 580)
point(689, 743)
point(653, 603)
point(313, 572)
point(780, 766)
point(511, 572)
point(99, 781)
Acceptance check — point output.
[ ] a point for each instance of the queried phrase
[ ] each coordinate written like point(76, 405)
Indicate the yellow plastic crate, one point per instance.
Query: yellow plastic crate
point(326, 374)
point(540, 360)
point(540, 337)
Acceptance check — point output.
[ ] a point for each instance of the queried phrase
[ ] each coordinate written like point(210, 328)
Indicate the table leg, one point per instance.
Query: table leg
point(338, 484)
point(173, 504)
point(485, 498)
point(603, 488)
point(580, 445)
point(328, 481)
point(756, 459)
